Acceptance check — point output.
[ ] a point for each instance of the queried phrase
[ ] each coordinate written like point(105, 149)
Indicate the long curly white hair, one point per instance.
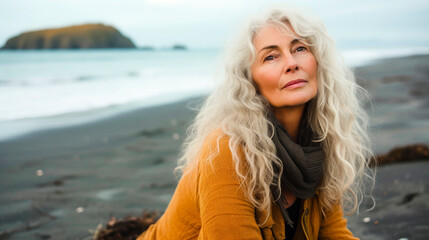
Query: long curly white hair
point(336, 116)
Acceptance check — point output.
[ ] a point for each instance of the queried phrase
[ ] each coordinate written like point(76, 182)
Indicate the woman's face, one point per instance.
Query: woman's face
point(285, 70)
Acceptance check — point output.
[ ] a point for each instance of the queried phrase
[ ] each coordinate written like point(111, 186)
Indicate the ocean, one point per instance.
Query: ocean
point(42, 89)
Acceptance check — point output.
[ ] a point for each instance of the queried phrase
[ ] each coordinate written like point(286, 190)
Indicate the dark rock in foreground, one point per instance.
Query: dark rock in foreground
point(403, 154)
point(74, 37)
point(128, 228)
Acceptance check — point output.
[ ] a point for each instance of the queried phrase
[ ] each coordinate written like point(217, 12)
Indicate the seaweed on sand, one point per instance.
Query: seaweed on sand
point(127, 228)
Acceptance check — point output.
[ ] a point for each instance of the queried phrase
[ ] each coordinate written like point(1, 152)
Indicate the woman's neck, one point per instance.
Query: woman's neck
point(290, 118)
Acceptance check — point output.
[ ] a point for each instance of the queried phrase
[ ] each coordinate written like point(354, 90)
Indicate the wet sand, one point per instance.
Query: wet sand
point(59, 183)
point(71, 179)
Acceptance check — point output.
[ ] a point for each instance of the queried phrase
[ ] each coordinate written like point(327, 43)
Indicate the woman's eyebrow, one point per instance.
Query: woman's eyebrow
point(269, 47)
point(293, 42)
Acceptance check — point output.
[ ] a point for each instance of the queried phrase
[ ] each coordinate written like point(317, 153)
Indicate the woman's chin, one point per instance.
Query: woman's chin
point(293, 102)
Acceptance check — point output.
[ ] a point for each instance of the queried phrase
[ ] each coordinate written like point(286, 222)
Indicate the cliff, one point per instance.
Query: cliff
point(73, 37)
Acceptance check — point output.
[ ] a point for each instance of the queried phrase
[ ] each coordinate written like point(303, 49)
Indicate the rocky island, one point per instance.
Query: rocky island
point(73, 37)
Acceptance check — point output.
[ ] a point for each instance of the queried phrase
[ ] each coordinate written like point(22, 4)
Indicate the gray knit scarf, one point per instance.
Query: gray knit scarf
point(302, 162)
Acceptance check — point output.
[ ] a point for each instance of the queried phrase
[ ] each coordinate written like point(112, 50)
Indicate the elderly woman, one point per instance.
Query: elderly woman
point(280, 147)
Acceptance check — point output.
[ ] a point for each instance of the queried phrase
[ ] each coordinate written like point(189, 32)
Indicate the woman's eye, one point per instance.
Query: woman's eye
point(301, 49)
point(269, 58)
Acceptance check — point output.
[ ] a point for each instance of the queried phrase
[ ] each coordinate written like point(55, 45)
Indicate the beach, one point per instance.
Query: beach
point(59, 183)
point(72, 179)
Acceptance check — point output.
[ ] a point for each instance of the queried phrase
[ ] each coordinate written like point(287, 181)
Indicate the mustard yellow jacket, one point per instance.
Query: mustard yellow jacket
point(209, 203)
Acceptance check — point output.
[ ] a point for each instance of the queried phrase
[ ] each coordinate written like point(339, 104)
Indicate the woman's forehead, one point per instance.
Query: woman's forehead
point(272, 32)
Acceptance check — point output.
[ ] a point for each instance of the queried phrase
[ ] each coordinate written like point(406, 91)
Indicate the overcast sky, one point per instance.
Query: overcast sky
point(209, 23)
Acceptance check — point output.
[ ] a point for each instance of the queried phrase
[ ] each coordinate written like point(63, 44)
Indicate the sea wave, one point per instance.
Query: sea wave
point(48, 100)
point(362, 57)
point(35, 81)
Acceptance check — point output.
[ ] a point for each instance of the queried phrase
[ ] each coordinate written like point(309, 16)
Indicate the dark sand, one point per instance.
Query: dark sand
point(123, 164)
point(399, 88)
point(114, 167)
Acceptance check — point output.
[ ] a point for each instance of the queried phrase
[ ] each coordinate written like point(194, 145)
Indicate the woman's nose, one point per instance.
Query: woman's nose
point(291, 64)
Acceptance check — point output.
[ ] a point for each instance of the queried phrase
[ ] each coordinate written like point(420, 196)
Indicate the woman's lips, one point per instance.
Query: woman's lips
point(295, 83)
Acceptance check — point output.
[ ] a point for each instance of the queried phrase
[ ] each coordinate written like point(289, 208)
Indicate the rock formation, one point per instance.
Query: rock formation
point(73, 37)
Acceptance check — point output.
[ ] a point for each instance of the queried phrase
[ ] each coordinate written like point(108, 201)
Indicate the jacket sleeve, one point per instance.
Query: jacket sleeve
point(224, 210)
point(334, 225)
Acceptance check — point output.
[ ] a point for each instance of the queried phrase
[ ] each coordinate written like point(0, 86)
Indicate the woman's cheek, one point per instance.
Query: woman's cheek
point(271, 74)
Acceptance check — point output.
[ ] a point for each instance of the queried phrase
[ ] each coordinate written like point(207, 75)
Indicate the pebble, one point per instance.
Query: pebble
point(39, 172)
point(366, 219)
point(80, 209)
point(175, 136)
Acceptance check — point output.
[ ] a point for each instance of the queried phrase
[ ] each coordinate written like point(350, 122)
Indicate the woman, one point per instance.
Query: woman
point(279, 148)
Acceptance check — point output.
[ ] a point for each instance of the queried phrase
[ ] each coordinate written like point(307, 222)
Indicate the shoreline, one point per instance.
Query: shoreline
point(391, 80)
point(36, 124)
point(28, 126)
point(103, 132)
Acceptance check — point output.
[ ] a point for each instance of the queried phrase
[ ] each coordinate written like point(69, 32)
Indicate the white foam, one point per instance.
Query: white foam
point(108, 194)
point(361, 57)
point(49, 100)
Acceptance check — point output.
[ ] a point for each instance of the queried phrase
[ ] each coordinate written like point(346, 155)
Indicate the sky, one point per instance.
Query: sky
point(210, 23)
